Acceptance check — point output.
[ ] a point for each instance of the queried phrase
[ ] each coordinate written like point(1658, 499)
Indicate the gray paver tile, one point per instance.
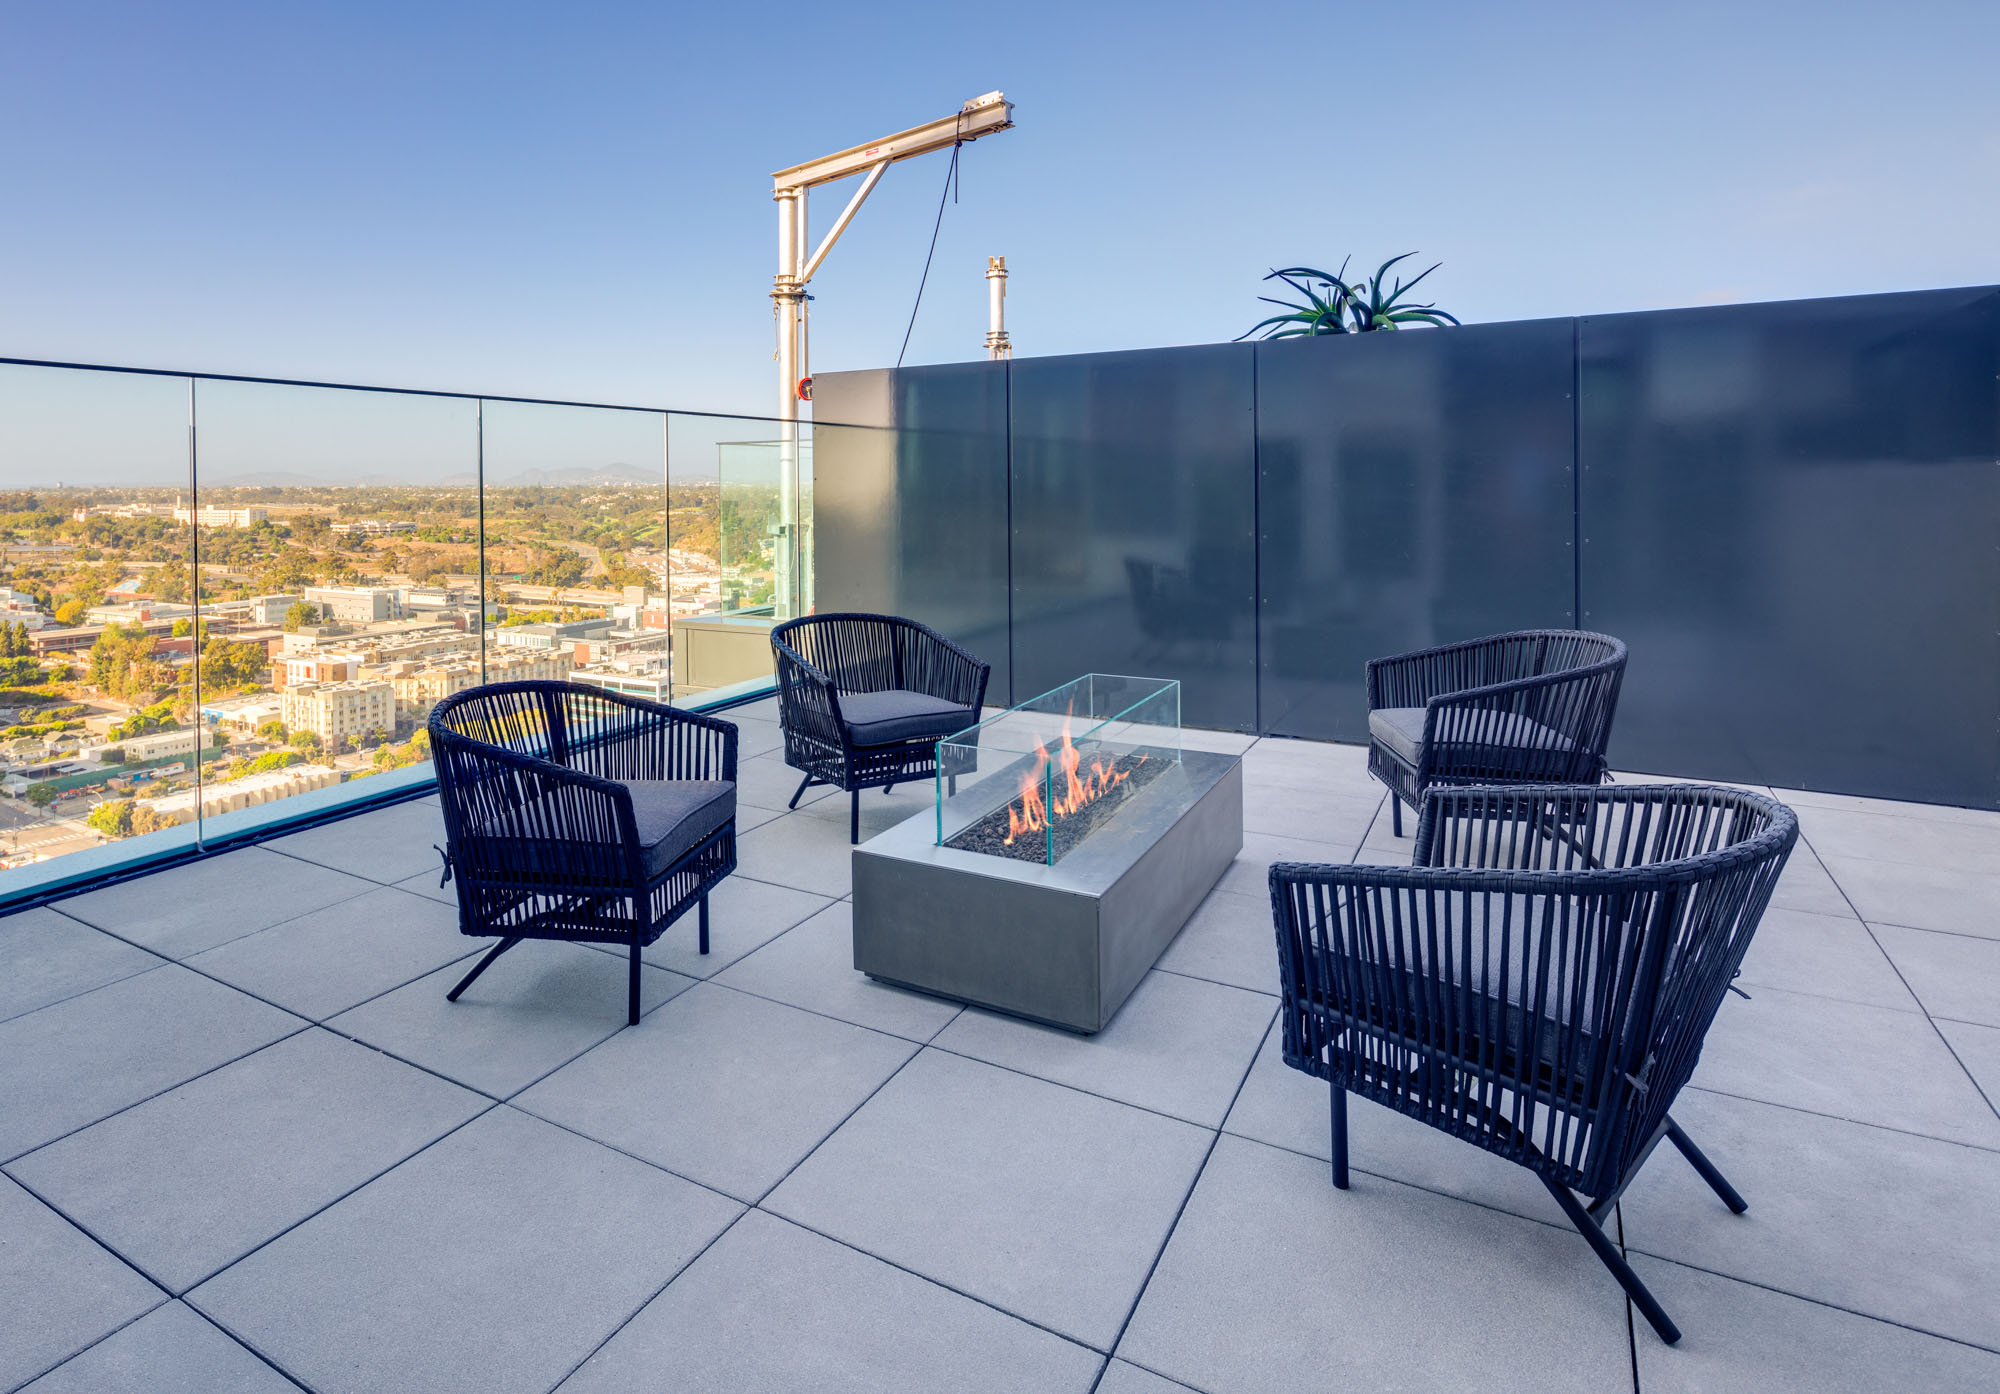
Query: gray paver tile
point(1228, 939)
point(490, 1263)
point(1960, 902)
point(803, 852)
point(77, 1061)
point(1825, 955)
point(812, 966)
point(767, 782)
point(879, 811)
point(1886, 837)
point(170, 1350)
point(1805, 885)
point(1875, 1221)
point(726, 1089)
point(59, 1290)
point(425, 883)
point(1123, 1377)
point(1178, 1046)
point(388, 845)
point(1738, 1339)
point(1392, 1271)
point(849, 1323)
point(1289, 1108)
point(1846, 1060)
point(1978, 1049)
point(197, 1177)
point(539, 1006)
point(1801, 799)
point(743, 915)
point(1953, 975)
point(185, 909)
point(1307, 765)
point(327, 961)
point(46, 957)
point(1249, 874)
point(1043, 1201)
point(1339, 814)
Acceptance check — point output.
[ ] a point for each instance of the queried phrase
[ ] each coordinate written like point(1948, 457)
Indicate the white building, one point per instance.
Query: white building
point(331, 710)
point(357, 604)
point(157, 745)
point(221, 517)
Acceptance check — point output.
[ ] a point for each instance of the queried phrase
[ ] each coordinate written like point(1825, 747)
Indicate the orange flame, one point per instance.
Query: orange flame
point(1074, 791)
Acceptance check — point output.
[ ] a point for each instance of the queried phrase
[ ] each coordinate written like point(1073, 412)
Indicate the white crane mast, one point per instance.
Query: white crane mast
point(979, 117)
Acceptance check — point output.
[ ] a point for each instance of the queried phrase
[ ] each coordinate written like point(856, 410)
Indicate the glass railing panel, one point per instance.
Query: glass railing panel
point(576, 547)
point(339, 541)
point(740, 524)
point(100, 747)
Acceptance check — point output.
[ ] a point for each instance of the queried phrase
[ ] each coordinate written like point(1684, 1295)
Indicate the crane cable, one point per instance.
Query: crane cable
point(951, 189)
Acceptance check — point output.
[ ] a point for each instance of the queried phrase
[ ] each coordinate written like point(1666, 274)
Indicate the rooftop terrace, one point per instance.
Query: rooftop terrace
point(251, 1146)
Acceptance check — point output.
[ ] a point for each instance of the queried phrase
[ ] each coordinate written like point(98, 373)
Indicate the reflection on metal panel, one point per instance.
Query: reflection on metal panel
point(1790, 512)
point(1134, 539)
point(1414, 490)
point(911, 499)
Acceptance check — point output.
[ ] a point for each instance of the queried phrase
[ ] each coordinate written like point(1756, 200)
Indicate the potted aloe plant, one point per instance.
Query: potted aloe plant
point(1336, 306)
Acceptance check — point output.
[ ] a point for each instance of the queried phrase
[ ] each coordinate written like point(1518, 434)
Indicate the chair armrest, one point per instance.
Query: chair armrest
point(808, 702)
point(935, 666)
point(1480, 734)
point(529, 823)
point(617, 737)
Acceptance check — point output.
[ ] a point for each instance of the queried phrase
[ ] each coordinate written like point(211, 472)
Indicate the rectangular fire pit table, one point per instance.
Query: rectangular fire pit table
point(1071, 839)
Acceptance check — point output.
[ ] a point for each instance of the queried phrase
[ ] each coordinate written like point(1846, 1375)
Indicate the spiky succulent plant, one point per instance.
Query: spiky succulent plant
point(1340, 307)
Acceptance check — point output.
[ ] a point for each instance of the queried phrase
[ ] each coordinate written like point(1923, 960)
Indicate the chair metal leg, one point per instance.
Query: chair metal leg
point(1339, 1120)
point(951, 785)
point(1396, 812)
point(632, 987)
point(1608, 1255)
point(797, 794)
point(704, 924)
point(854, 818)
point(1700, 1162)
point(480, 967)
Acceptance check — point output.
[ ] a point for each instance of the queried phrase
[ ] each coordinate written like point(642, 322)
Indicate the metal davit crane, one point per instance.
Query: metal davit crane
point(981, 116)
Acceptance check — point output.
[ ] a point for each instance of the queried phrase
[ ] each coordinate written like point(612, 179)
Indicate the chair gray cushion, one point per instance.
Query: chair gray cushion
point(671, 816)
point(885, 718)
point(675, 814)
point(1401, 729)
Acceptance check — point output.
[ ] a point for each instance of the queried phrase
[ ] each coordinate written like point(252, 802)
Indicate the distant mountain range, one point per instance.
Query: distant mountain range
point(567, 477)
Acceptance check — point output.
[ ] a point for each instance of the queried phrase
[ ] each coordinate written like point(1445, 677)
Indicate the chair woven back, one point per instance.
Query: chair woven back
point(1541, 981)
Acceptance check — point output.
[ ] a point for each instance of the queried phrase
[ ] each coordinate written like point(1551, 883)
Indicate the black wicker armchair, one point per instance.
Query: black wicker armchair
point(1528, 708)
point(864, 700)
point(579, 814)
point(1539, 982)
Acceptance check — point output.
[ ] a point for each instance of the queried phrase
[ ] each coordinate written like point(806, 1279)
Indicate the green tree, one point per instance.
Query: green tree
point(182, 628)
point(272, 731)
point(69, 614)
point(113, 818)
point(42, 795)
point(302, 612)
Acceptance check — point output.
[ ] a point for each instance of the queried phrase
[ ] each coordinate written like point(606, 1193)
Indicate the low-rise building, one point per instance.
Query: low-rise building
point(211, 517)
point(136, 612)
point(357, 604)
point(155, 745)
point(550, 636)
point(422, 686)
point(332, 710)
point(252, 789)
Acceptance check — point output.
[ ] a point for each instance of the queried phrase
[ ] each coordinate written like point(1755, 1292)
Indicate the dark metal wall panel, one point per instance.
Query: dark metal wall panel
point(1414, 489)
point(910, 500)
point(1790, 512)
point(1134, 541)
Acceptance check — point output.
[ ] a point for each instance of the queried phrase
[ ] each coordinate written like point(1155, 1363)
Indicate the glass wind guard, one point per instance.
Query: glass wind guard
point(1036, 781)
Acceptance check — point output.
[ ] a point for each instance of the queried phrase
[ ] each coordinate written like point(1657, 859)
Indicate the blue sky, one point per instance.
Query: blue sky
point(573, 201)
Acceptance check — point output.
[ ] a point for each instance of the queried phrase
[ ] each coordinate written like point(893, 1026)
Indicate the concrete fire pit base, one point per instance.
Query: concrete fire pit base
point(1062, 944)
